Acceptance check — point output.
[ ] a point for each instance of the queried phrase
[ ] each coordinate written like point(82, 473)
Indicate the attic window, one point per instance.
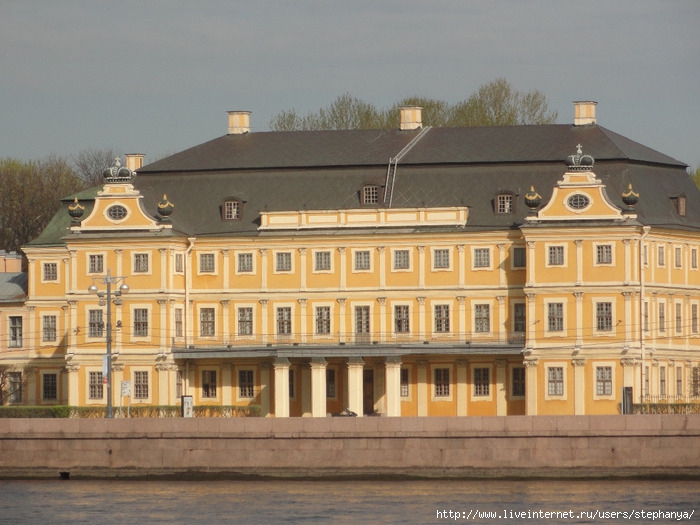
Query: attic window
point(679, 204)
point(370, 194)
point(504, 203)
point(231, 210)
point(116, 212)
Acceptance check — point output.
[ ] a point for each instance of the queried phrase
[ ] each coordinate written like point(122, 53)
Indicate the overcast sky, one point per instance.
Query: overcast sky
point(157, 76)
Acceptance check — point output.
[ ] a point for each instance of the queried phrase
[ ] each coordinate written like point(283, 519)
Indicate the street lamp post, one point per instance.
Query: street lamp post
point(106, 297)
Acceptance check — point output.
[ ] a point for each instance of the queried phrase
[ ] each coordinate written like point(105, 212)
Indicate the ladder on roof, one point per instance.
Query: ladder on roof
point(394, 163)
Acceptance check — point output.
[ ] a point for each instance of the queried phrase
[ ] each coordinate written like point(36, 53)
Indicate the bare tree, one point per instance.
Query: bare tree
point(90, 163)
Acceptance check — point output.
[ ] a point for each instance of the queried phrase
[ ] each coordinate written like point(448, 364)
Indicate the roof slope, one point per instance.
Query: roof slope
point(13, 287)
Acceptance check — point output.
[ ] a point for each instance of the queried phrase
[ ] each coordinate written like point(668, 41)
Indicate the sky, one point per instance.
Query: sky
point(158, 76)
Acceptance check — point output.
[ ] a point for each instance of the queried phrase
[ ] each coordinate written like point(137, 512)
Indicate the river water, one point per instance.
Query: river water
point(98, 502)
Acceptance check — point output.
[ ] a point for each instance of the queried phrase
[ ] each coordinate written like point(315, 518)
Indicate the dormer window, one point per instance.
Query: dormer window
point(370, 194)
point(679, 204)
point(504, 203)
point(231, 210)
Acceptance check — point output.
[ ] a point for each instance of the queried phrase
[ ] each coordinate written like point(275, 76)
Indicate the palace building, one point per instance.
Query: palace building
point(543, 269)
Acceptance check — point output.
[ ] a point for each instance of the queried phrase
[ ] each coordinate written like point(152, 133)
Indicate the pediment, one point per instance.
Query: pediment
point(118, 207)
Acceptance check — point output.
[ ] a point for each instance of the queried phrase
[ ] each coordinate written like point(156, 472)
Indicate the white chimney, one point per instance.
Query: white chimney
point(411, 117)
point(134, 161)
point(238, 122)
point(584, 112)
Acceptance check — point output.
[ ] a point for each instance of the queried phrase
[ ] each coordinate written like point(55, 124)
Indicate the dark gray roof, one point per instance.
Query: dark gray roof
point(13, 287)
point(278, 171)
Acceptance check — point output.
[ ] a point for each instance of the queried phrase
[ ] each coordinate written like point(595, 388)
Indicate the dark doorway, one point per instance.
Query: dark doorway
point(368, 392)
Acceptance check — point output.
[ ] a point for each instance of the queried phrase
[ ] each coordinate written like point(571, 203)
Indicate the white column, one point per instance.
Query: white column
point(355, 383)
point(281, 366)
point(422, 387)
point(227, 384)
point(422, 334)
point(302, 269)
point(421, 266)
point(163, 269)
point(264, 321)
point(73, 384)
point(382, 267)
point(579, 386)
point(502, 272)
point(263, 269)
point(304, 322)
point(530, 265)
point(462, 387)
point(343, 268)
point(393, 386)
point(318, 387)
point(225, 268)
point(579, 318)
point(342, 321)
point(225, 331)
point(530, 387)
point(579, 262)
point(461, 265)
point(382, 319)
point(265, 389)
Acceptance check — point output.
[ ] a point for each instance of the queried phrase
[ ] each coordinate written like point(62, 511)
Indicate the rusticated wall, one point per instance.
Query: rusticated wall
point(569, 446)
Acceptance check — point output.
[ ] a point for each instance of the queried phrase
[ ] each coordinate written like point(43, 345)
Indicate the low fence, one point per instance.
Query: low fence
point(511, 446)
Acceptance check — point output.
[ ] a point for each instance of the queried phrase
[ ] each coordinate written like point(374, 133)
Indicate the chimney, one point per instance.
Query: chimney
point(238, 122)
point(584, 112)
point(134, 161)
point(411, 117)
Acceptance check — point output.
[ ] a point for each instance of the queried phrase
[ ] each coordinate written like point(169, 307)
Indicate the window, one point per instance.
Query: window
point(519, 317)
point(401, 260)
point(556, 255)
point(15, 331)
point(679, 204)
point(645, 256)
point(96, 386)
point(232, 210)
point(678, 257)
point(603, 317)
point(50, 272)
point(482, 318)
point(504, 203)
point(116, 212)
point(646, 381)
point(604, 254)
point(179, 264)
point(661, 256)
point(442, 318)
point(323, 320)
point(679, 318)
point(141, 322)
point(603, 381)
point(207, 326)
point(442, 382)
point(518, 382)
point(679, 381)
point(323, 261)
point(481, 382)
point(695, 387)
point(140, 263)
point(284, 262)
point(245, 321)
point(49, 391)
point(15, 387)
point(370, 194)
point(95, 264)
point(291, 383)
point(555, 381)
point(694, 318)
point(555, 317)
point(178, 384)
point(441, 258)
point(245, 384)
point(48, 329)
point(646, 316)
point(362, 260)
point(95, 324)
point(330, 382)
point(404, 382)
point(519, 257)
point(662, 317)
point(694, 258)
point(662, 381)
point(284, 320)
point(206, 262)
point(245, 262)
point(401, 321)
point(362, 324)
point(578, 201)
point(178, 322)
point(209, 383)
point(140, 385)
point(482, 258)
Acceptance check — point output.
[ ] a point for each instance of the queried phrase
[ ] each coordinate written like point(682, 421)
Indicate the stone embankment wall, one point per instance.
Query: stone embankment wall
point(512, 446)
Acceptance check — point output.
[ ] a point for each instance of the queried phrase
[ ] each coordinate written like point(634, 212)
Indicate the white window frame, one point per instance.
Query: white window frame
point(693, 258)
point(548, 249)
point(52, 401)
point(315, 254)
point(409, 256)
point(316, 334)
point(44, 265)
point(149, 374)
point(450, 316)
point(491, 319)
point(149, 260)
point(292, 320)
point(443, 250)
point(237, 386)
point(179, 260)
point(613, 327)
point(433, 384)
point(103, 255)
point(678, 257)
point(56, 328)
point(409, 319)
point(94, 400)
point(409, 391)
point(354, 253)
point(149, 313)
point(511, 376)
point(481, 397)
point(512, 257)
point(602, 364)
point(252, 263)
point(218, 383)
point(237, 320)
point(100, 337)
point(214, 270)
point(275, 260)
point(487, 250)
point(201, 307)
point(564, 305)
point(599, 245)
point(565, 373)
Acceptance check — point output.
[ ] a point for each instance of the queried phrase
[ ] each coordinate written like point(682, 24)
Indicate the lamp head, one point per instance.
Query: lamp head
point(92, 288)
point(124, 288)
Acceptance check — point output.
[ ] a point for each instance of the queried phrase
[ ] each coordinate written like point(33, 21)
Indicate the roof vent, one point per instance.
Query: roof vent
point(584, 112)
point(411, 117)
point(238, 122)
point(134, 161)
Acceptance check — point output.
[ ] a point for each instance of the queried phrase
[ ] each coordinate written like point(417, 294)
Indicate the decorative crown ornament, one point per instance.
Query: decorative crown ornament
point(579, 162)
point(117, 173)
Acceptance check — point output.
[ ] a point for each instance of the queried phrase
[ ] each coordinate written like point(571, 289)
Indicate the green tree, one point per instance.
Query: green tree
point(496, 103)
point(29, 196)
point(695, 175)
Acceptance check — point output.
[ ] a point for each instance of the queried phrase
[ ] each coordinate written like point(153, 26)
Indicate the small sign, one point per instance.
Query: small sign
point(105, 367)
point(187, 406)
point(126, 388)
